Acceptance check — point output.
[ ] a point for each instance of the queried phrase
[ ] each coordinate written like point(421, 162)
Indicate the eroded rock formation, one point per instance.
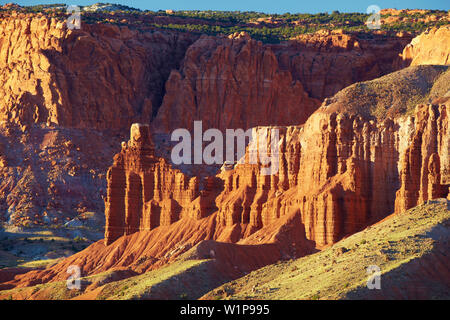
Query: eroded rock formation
point(101, 76)
point(425, 163)
point(328, 61)
point(348, 166)
point(431, 47)
point(237, 82)
point(232, 83)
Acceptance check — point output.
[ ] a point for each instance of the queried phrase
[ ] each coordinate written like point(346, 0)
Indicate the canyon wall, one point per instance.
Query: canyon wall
point(340, 172)
point(237, 82)
point(328, 61)
point(347, 167)
point(101, 76)
point(232, 83)
point(66, 98)
point(105, 77)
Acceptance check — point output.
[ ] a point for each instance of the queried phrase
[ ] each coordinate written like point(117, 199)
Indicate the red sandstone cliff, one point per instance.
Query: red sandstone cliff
point(144, 192)
point(237, 82)
point(340, 185)
point(328, 61)
point(101, 76)
point(66, 97)
point(349, 166)
point(232, 83)
point(338, 173)
point(425, 163)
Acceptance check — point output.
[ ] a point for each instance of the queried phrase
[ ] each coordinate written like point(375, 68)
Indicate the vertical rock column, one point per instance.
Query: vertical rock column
point(422, 177)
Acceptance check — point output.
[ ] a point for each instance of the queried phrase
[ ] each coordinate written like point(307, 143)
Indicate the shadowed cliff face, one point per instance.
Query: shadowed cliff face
point(328, 61)
point(232, 83)
point(237, 82)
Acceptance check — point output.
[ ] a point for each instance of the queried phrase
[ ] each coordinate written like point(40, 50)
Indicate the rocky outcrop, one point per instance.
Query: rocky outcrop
point(351, 179)
point(351, 164)
point(101, 76)
point(145, 192)
point(232, 83)
point(430, 47)
point(237, 82)
point(328, 61)
point(347, 167)
point(425, 163)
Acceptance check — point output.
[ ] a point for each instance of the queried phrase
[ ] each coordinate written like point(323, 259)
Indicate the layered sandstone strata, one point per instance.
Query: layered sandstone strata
point(101, 76)
point(145, 192)
point(425, 163)
point(328, 61)
point(237, 82)
point(232, 83)
point(341, 171)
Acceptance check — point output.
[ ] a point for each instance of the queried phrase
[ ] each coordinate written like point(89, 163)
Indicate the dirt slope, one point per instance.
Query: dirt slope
point(409, 248)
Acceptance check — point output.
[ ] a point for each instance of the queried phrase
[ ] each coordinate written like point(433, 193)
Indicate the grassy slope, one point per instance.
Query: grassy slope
point(399, 245)
point(37, 248)
point(183, 279)
point(409, 248)
point(394, 94)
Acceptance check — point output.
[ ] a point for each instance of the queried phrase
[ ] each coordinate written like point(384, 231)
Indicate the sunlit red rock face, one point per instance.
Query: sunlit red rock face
point(430, 47)
point(145, 192)
point(101, 76)
point(232, 83)
point(351, 180)
point(66, 97)
point(237, 82)
point(348, 166)
point(425, 163)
